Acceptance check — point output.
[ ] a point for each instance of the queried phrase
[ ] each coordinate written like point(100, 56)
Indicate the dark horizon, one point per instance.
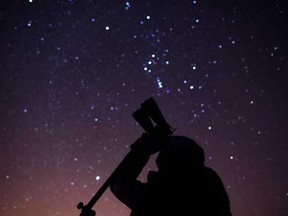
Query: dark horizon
point(72, 72)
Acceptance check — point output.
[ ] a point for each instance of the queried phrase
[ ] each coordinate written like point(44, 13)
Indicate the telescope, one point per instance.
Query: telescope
point(151, 119)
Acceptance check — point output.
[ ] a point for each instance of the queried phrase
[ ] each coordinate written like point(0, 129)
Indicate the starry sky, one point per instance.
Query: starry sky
point(73, 71)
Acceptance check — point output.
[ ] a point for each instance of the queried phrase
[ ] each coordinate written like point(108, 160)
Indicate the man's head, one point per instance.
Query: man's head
point(180, 153)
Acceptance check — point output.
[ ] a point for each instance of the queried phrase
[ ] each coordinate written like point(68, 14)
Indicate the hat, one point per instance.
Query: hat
point(180, 152)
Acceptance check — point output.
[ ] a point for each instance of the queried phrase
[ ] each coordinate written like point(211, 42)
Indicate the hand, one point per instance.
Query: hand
point(150, 143)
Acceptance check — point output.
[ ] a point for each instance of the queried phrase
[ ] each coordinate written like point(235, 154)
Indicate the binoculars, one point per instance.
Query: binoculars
point(151, 119)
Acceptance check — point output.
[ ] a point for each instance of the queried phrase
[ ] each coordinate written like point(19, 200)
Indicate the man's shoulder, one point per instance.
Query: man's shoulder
point(209, 172)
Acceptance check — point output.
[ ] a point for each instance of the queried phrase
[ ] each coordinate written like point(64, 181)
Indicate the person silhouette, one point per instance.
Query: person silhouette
point(183, 185)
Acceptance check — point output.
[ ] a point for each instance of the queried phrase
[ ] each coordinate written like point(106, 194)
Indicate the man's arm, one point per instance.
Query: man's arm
point(125, 185)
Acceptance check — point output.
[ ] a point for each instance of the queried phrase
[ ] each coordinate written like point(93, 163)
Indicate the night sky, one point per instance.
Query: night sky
point(73, 71)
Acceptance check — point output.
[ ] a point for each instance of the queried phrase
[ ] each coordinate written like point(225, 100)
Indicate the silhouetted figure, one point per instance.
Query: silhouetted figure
point(181, 186)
